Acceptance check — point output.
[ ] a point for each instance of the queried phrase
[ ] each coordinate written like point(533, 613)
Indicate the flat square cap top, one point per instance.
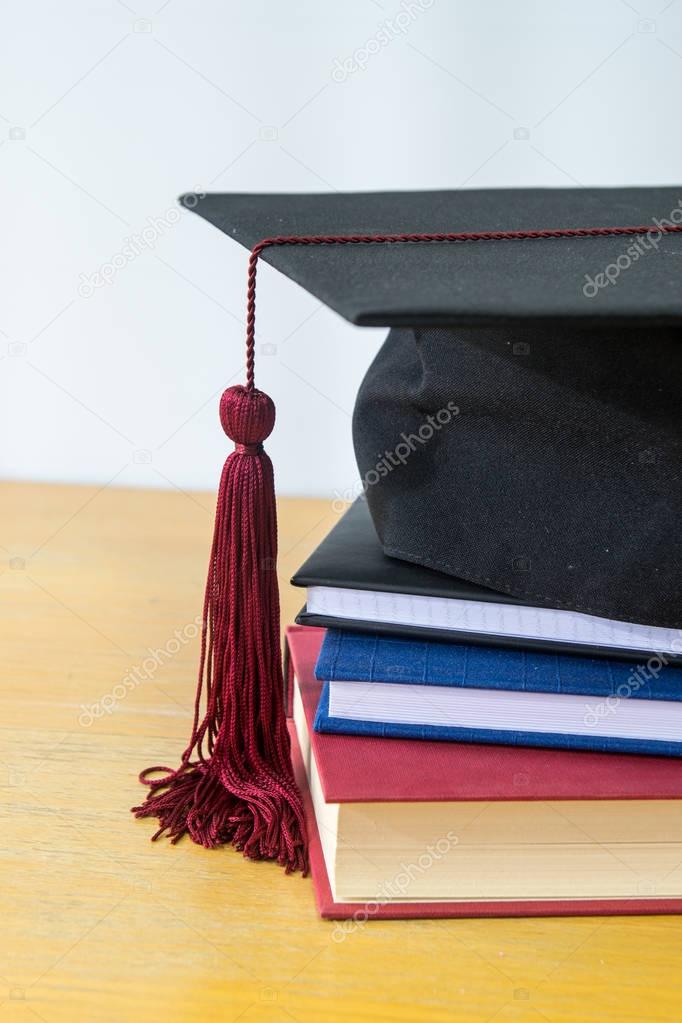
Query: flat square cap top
point(635, 279)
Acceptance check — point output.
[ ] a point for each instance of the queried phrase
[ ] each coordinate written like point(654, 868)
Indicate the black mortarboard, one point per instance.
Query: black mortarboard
point(488, 284)
point(520, 428)
point(559, 479)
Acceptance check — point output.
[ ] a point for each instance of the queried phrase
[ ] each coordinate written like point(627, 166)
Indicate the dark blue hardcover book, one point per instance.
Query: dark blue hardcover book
point(352, 656)
point(589, 739)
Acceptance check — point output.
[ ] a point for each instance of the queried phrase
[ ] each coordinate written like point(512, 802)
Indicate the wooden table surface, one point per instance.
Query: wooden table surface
point(100, 593)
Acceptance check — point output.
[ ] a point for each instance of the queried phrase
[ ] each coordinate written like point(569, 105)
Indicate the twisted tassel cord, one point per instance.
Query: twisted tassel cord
point(397, 239)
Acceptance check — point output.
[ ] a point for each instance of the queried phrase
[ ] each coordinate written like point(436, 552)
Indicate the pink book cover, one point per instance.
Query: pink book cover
point(360, 769)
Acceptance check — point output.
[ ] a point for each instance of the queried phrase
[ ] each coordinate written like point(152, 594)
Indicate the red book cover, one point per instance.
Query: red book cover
point(359, 769)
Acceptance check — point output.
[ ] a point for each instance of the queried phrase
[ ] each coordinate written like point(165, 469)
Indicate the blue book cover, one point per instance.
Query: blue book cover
point(325, 722)
point(359, 657)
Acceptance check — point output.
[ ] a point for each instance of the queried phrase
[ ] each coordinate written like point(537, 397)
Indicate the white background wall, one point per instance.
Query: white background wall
point(108, 110)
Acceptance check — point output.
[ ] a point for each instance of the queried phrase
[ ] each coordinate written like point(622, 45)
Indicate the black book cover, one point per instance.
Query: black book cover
point(351, 557)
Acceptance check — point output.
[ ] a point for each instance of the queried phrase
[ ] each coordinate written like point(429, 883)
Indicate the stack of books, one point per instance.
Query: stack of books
point(463, 753)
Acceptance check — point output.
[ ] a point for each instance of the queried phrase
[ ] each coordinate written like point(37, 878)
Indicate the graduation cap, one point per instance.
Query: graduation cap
point(520, 429)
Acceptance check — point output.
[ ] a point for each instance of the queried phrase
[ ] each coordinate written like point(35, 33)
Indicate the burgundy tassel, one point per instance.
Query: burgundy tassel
point(235, 783)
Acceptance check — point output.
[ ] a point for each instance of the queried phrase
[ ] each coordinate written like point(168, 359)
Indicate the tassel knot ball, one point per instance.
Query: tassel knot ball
point(247, 416)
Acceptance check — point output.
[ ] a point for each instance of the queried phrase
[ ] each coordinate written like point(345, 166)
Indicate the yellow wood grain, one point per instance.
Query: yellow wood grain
point(100, 925)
